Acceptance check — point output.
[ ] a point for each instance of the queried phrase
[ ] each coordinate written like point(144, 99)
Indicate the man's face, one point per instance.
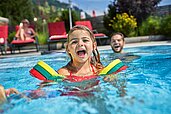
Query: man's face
point(117, 43)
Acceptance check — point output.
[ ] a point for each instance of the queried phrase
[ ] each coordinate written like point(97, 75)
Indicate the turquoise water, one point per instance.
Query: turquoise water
point(144, 88)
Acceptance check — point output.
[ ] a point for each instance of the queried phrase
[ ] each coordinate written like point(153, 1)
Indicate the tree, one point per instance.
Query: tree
point(112, 11)
point(140, 9)
point(166, 26)
point(16, 10)
point(65, 18)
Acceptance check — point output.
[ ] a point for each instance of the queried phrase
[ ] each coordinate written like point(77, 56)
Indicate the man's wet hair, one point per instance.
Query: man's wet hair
point(118, 33)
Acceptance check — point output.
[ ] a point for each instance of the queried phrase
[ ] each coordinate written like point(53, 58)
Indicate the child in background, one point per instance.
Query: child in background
point(5, 93)
point(28, 95)
point(85, 59)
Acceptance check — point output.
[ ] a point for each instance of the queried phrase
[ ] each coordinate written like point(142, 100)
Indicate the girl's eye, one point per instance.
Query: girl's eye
point(85, 40)
point(74, 42)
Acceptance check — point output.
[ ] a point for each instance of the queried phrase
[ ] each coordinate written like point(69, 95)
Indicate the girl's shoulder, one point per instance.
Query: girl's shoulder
point(63, 71)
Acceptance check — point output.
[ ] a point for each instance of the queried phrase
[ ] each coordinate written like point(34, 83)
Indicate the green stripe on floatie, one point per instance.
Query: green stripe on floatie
point(47, 74)
point(42, 71)
point(109, 67)
point(114, 69)
point(48, 69)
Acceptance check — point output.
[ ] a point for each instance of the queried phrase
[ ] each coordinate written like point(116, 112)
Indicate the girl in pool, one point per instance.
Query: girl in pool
point(85, 59)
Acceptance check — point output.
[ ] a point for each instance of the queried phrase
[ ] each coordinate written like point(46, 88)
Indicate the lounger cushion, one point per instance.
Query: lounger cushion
point(23, 41)
point(57, 37)
point(99, 35)
point(3, 34)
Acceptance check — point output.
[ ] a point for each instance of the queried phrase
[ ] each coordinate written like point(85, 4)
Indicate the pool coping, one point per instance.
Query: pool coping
point(137, 44)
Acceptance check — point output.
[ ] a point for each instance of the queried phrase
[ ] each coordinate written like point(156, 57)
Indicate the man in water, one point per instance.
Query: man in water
point(117, 42)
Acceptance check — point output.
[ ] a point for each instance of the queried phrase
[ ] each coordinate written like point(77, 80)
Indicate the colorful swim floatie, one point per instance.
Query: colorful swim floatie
point(43, 71)
point(114, 67)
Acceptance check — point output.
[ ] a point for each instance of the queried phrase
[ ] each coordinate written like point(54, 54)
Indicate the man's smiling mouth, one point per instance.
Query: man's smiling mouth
point(116, 46)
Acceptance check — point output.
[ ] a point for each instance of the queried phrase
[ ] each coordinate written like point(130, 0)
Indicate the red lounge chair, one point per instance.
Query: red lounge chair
point(3, 37)
point(97, 35)
point(20, 43)
point(57, 33)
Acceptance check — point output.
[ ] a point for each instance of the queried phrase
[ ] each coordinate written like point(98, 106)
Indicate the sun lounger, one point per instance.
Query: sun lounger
point(20, 43)
point(3, 37)
point(57, 33)
point(99, 36)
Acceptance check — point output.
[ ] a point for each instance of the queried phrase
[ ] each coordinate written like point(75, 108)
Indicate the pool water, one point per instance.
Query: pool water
point(144, 88)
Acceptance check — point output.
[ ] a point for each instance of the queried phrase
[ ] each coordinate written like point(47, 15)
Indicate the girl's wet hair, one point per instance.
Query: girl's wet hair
point(81, 27)
point(95, 60)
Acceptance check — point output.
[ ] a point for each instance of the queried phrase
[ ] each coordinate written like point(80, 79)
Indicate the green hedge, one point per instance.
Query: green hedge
point(151, 26)
point(154, 25)
point(42, 38)
point(166, 26)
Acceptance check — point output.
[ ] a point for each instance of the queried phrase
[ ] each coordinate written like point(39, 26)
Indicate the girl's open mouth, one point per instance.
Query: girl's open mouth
point(81, 53)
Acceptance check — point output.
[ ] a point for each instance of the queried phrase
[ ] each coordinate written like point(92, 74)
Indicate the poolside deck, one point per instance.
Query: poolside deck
point(33, 52)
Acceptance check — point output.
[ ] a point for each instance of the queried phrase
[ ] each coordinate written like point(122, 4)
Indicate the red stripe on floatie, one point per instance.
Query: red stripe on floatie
point(120, 69)
point(36, 74)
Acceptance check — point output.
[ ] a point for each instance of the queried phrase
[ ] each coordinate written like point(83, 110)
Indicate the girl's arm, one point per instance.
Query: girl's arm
point(15, 91)
point(11, 91)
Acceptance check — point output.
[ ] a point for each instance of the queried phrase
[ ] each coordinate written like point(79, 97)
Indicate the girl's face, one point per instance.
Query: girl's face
point(80, 46)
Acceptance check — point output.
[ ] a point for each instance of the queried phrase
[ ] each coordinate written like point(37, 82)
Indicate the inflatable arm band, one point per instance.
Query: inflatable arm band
point(43, 71)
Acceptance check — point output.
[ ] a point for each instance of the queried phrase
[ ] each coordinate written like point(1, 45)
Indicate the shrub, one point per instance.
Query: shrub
point(11, 36)
point(124, 23)
point(42, 38)
point(166, 26)
point(151, 26)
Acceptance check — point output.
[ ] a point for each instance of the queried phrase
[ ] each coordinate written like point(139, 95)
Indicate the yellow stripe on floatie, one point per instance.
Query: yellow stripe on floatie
point(109, 67)
point(48, 68)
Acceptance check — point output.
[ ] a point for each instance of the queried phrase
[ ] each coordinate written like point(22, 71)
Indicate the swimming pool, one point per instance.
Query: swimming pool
point(144, 88)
